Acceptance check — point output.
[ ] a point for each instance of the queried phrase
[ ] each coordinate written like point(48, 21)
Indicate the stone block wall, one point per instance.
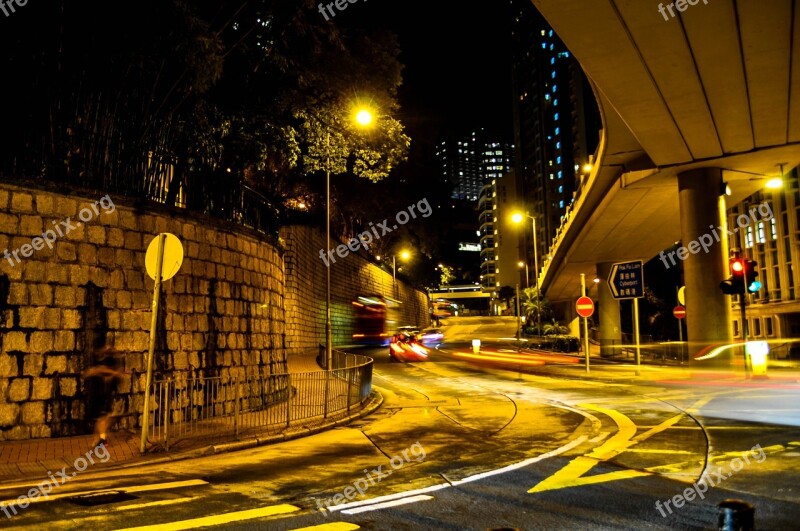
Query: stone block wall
point(84, 284)
point(350, 276)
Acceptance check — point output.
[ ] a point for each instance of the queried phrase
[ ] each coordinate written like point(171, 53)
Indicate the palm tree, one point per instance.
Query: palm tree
point(535, 306)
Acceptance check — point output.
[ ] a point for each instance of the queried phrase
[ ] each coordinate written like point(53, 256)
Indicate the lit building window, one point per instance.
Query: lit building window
point(748, 240)
point(774, 229)
point(761, 238)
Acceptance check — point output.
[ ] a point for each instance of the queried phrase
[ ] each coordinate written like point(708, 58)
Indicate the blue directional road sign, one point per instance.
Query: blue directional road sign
point(626, 280)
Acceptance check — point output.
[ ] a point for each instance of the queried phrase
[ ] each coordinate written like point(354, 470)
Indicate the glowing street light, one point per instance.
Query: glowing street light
point(775, 183)
point(518, 217)
point(363, 118)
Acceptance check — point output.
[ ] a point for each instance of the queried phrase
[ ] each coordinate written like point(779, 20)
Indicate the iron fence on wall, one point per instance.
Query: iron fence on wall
point(224, 408)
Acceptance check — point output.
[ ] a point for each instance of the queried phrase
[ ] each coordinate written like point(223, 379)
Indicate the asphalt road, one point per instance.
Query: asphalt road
point(461, 445)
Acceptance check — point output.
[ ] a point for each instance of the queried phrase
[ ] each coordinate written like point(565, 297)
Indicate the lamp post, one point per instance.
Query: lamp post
point(404, 255)
point(364, 118)
point(522, 264)
point(517, 218)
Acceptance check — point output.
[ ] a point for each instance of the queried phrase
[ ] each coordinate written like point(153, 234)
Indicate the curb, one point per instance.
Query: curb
point(374, 403)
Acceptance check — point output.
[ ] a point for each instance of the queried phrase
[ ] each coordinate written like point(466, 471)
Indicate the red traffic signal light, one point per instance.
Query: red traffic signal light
point(734, 284)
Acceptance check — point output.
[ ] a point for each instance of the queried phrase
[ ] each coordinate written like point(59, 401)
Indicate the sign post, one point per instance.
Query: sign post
point(626, 281)
point(163, 249)
point(585, 308)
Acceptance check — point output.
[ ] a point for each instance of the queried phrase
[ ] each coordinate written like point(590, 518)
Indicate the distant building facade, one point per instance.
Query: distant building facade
point(499, 237)
point(774, 310)
point(472, 161)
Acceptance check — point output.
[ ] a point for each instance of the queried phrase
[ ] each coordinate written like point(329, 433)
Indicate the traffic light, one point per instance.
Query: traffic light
point(750, 274)
point(734, 284)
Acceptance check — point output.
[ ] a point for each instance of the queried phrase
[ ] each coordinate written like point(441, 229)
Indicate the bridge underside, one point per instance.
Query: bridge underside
point(716, 86)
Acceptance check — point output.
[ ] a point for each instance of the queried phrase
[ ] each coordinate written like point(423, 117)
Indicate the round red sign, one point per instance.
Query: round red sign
point(585, 307)
point(679, 312)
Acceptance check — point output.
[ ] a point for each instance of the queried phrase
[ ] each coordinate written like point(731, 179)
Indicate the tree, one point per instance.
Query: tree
point(195, 101)
point(534, 305)
point(446, 275)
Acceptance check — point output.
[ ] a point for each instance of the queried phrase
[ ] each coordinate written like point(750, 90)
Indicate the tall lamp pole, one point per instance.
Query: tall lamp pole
point(536, 275)
point(363, 118)
point(328, 326)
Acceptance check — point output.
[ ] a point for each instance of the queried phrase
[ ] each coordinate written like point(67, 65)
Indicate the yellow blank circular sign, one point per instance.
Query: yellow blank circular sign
point(681, 298)
point(173, 256)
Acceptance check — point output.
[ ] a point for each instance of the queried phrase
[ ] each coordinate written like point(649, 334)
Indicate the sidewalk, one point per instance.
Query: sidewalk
point(35, 459)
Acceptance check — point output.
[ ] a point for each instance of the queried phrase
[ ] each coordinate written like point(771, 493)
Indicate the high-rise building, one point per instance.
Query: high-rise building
point(556, 121)
point(500, 238)
point(470, 162)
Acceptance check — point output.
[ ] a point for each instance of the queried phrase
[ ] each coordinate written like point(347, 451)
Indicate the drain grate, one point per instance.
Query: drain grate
point(101, 498)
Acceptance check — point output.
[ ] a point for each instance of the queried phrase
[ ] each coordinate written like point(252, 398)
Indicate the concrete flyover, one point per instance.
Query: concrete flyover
point(709, 95)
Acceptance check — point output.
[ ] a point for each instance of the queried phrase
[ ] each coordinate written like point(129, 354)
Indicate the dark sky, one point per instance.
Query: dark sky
point(457, 69)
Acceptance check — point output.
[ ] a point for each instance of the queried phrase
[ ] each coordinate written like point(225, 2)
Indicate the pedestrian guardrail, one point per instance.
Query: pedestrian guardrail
point(230, 407)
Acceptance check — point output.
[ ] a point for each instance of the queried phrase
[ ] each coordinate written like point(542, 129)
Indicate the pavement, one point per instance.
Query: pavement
point(37, 458)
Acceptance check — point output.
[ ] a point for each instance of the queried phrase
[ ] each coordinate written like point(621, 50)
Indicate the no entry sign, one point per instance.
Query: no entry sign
point(679, 312)
point(584, 307)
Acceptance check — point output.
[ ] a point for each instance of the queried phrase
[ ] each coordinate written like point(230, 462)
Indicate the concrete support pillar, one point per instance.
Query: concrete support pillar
point(708, 310)
point(610, 330)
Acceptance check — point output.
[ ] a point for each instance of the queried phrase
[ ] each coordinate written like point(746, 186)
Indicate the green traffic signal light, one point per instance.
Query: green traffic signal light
point(750, 274)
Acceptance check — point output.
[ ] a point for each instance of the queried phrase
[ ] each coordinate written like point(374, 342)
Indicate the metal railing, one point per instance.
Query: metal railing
point(231, 407)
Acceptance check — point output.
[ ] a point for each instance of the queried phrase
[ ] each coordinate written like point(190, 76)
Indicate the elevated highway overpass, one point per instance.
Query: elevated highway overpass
point(709, 96)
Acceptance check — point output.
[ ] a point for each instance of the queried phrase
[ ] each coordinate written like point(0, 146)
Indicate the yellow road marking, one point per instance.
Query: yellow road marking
point(654, 451)
point(333, 526)
point(135, 488)
point(152, 504)
point(219, 519)
point(572, 474)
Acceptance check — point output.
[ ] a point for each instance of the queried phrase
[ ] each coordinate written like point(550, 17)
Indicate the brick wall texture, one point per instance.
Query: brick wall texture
point(351, 276)
point(222, 313)
point(240, 303)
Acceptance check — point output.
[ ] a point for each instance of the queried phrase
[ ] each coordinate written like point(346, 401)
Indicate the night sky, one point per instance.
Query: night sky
point(457, 72)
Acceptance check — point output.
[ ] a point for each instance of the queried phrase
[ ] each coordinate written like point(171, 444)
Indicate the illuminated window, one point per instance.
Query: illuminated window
point(774, 229)
point(748, 239)
point(761, 238)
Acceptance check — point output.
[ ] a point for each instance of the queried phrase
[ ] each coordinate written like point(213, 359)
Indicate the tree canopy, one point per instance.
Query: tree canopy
point(185, 101)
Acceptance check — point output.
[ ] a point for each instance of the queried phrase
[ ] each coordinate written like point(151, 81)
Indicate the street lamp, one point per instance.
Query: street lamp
point(404, 255)
point(518, 218)
point(520, 265)
point(363, 118)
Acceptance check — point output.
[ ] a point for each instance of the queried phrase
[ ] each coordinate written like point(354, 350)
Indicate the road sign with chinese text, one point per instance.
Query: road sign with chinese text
point(627, 280)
